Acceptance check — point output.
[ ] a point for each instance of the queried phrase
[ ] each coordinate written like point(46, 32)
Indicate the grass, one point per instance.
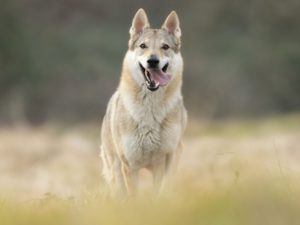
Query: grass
point(231, 172)
point(260, 204)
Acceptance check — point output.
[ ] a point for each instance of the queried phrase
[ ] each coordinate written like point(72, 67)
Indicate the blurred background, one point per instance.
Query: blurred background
point(61, 60)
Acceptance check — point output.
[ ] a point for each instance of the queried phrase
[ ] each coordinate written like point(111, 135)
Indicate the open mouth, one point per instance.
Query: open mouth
point(155, 77)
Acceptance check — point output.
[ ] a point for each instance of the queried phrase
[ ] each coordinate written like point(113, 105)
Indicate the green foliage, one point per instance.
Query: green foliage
point(15, 64)
point(241, 59)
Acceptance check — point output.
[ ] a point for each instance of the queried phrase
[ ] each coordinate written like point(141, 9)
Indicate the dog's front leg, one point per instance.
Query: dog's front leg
point(162, 173)
point(159, 172)
point(130, 177)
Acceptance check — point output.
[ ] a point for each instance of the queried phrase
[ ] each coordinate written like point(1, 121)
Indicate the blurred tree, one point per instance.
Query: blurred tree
point(62, 59)
point(16, 71)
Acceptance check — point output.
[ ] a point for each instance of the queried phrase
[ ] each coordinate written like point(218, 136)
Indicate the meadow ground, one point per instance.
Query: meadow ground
point(231, 172)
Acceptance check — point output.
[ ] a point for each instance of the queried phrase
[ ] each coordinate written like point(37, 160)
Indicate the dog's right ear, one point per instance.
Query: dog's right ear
point(139, 22)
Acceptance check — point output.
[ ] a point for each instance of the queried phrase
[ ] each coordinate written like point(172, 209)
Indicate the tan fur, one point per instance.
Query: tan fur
point(143, 129)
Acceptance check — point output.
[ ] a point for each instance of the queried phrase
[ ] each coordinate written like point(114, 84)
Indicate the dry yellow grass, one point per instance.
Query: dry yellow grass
point(231, 172)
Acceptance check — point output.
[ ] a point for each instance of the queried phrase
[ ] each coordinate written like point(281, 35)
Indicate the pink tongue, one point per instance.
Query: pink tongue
point(160, 77)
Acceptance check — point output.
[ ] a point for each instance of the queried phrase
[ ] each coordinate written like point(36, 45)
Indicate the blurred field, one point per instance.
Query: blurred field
point(231, 172)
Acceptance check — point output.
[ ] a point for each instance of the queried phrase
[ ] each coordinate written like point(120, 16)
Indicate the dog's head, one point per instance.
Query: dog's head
point(154, 54)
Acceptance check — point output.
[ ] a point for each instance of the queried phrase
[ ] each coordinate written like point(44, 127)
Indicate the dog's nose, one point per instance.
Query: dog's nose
point(153, 61)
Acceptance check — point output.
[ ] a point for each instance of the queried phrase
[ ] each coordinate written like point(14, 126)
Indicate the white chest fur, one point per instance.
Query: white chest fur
point(151, 139)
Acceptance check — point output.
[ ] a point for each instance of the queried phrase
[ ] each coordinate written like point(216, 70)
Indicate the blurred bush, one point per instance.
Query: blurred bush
point(61, 60)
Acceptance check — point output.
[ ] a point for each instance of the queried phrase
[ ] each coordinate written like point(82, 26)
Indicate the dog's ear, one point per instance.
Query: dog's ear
point(172, 24)
point(139, 22)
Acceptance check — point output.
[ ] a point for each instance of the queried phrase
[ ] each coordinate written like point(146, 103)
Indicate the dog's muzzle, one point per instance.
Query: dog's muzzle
point(155, 77)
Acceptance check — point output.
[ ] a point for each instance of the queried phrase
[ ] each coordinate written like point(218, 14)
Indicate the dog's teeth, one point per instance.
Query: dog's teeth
point(147, 75)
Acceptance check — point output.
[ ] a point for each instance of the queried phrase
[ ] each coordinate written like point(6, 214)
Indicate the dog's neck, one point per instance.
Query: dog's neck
point(141, 102)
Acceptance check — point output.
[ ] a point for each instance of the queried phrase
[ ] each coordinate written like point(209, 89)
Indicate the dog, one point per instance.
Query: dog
point(145, 118)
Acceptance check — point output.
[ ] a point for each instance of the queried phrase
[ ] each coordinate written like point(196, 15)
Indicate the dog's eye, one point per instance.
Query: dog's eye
point(165, 47)
point(143, 46)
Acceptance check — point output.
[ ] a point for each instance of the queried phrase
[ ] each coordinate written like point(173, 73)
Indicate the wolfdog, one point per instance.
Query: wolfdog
point(145, 117)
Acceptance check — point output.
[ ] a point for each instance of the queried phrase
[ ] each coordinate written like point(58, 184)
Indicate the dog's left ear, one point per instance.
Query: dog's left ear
point(172, 24)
